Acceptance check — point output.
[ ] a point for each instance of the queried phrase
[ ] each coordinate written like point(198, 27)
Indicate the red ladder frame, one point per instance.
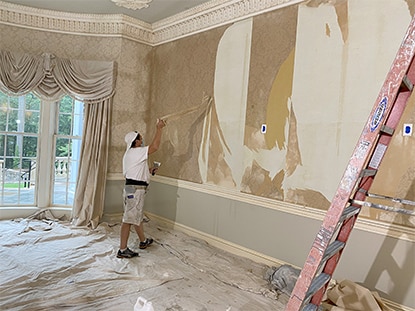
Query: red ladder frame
point(361, 170)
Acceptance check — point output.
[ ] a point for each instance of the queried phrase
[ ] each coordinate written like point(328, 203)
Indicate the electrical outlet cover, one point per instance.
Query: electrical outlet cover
point(407, 129)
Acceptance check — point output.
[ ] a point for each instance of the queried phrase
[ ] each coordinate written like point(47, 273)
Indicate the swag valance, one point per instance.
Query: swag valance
point(91, 82)
point(50, 77)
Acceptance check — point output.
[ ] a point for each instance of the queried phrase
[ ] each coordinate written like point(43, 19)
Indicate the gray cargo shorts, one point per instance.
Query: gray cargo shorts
point(133, 204)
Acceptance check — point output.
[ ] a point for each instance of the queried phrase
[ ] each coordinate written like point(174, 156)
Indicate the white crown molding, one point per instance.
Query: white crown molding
point(212, 14)
point(209, 15)
point(133, 4)
point(108, 25)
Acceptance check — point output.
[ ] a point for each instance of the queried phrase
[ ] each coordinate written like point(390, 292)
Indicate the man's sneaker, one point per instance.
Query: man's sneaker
point(146, 243)
point(128, 253)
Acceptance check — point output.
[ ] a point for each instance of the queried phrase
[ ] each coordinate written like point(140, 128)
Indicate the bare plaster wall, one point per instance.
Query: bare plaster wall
point(183, 74)
point(310, 73)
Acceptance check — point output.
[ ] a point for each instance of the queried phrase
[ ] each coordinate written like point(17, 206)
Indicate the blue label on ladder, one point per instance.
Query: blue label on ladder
point(378, 115)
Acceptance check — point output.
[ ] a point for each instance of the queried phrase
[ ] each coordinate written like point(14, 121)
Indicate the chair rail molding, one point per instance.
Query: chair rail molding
point(368, 225)
point(212, 14)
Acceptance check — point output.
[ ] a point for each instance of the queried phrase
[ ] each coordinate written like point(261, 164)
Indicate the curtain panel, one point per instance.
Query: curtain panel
point(92, 82)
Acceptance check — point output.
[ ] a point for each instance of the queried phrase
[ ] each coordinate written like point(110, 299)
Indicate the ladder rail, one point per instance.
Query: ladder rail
point(364, 185)
point(369, 151)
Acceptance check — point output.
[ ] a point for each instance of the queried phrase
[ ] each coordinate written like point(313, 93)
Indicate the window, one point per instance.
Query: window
point(39, 170)
point(67, 144)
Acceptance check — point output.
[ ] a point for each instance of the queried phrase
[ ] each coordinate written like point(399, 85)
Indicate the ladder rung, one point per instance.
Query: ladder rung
point(384, 207)
point(313, 307)
point(317, 283)
point(310, 307)
point(332, 249)
point(362, 190)
point(349, 212)
point(409, 85)
point(368, 172)
point(387, 130)
point(399, 200)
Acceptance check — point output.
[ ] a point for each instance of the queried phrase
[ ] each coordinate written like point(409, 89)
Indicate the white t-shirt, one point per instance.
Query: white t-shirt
point(135, 164)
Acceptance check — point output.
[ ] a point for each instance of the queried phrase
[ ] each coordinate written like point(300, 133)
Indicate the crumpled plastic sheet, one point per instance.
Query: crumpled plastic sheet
point(340, 296)
point(347, 295)
point(47, 264)
point(282, 278)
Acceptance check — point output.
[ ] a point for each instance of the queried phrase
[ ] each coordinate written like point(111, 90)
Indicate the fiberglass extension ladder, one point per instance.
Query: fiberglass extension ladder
point(356, 181)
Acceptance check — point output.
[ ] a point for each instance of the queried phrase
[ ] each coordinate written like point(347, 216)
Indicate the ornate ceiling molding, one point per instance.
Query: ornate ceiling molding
point(132, 4)
point(210, 15)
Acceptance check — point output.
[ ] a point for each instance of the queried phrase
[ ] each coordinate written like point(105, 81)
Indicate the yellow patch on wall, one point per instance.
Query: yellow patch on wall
point(277, 108)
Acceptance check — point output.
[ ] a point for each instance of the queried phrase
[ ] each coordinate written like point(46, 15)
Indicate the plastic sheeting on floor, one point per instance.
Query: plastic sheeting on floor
point(50, 265)
point(347, 295)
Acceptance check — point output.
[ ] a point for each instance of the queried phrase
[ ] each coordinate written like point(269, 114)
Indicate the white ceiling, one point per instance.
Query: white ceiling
point(157, 10)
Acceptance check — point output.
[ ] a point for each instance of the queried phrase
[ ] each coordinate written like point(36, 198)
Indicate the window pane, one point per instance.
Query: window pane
point(3, 116)
point(14, 102)
point(62, 147)
point(11, 145)
point(31, 122)
point(65, 126)
point(32, 102)
point(3, 98)
point(2, 140)
point(13, 121)
point(13, 163)
point(66, 105)
point(29, 146)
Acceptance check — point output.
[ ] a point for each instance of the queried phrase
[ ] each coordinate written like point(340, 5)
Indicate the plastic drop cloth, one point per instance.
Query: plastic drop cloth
point(47, 264)
point(340, 296)
point(349, 296)
point(282, 278)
